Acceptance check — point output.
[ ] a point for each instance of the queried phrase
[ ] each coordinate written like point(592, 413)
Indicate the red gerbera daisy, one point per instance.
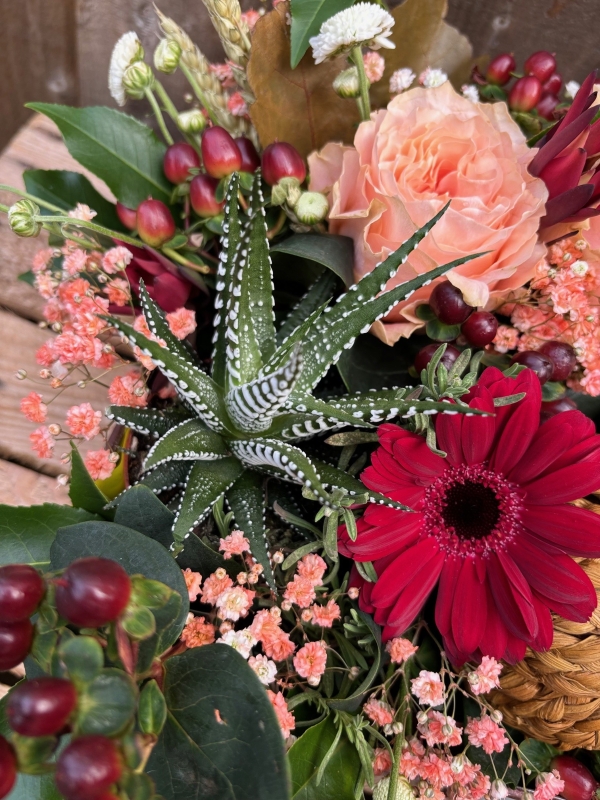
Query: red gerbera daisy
point(492, 526)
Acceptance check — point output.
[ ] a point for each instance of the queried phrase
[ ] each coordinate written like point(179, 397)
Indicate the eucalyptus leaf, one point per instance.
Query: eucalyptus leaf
point(139, 508)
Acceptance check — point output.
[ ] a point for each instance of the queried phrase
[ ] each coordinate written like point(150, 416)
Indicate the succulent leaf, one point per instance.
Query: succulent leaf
point(148, 421)
point(247, 501)
point(338, 479)
point(189, 441)
point(317, 296)
point(168, 476)
point(159, 326)
point(260, 276)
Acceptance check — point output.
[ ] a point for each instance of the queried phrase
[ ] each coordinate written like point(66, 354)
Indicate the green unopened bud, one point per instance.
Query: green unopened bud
point(346, 84)
point(286, 191)
point(166, 56)
point(192, 121)
point(312, 207)
point(137, 78)
point(22, 218)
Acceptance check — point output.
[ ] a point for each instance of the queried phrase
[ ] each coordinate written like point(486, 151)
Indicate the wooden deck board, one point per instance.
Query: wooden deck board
point(20, 486)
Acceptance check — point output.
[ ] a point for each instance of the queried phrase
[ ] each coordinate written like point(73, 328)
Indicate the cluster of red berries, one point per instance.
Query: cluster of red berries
point(221, 156)
point(90, 593)
point(537, 89)
point(580, 784)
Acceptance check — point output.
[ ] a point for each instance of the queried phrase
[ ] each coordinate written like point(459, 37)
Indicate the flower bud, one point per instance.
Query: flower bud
point(154, 222)
point(20, 374)
point(192, 121)
point(541, 64)
point(179, 159)
point(286, 191)
point(22, 218)
point(166, 56)
point(353, 592)
point(500, 69)
point(346, 84)
point(250, 157)
point(525, 94)
point(278, 557)
point(282, 160)
point(422, 718)
point(137, 78)
point(203, 197)
point(127, 216)
point(54, 429)
point(286, 605)
point(457, 764)
point(499, 790)
point(312, 207)
point(220, 153)
point(354, 673)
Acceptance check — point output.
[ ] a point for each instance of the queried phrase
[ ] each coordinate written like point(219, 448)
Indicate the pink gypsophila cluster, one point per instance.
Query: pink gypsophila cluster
point(34, 409)
point(182, 322)
point(428, 688)
point(548, 786)
point(99, 464)
point(379, 711)
point(193, 582)
point(486, 733)
point(234, 545)
point(310, 662)
point(486, 676)
point(197, 632)
point(286, 719)
point(400, 650)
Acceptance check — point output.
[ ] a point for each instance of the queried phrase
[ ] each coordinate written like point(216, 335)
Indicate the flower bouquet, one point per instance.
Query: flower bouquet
point(338, 536)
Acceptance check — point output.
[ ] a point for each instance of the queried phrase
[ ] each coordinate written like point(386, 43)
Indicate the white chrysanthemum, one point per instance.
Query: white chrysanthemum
point(430, 78)
point(265, 669)
point(571, 89)
point(126, 52)
point(471, 92)
point(401, 80)
point(361, 25)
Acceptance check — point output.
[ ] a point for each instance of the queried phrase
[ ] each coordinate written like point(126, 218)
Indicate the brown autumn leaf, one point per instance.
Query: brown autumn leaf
point(297, 106)
point(423, 39)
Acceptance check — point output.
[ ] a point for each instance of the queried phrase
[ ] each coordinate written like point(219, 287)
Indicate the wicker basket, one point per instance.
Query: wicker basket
point(555, 696)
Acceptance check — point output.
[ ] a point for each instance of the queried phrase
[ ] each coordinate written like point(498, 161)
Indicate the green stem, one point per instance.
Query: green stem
point(363, 83)
point(159, 116)
point(168, 251)
point(92, 226)
point(172, 111)
point(32, 197)
point(198, 91)
point(400, 739)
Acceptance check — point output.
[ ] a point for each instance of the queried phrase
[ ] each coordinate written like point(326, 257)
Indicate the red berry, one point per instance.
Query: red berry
point(282, 160)
point(541, 64)
point(250, 157)
point(21, 590)
point(87, 768)
point(8, 767)
point(580, 784)
point(128, 216)
point(203, 196)
point(562, 356)
point(154, 222)
point(178, 160)
point(425, 355)
point(554, 83)
point(41, 707)
point(92, 592)
point(525, 94)
point(553, 407)
point(220, 153)
point(538, 362)
point(546, 106)
point(500, 69)
point(448, 305)
point(480, 328)
point(15, 643)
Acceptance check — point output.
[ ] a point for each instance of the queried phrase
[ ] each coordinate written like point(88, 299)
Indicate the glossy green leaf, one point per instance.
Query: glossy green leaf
point(140, 509)
point(372, 364)
point(138, 622)
point(338, 781)
point(440, 332)
point(246, 499)
point(107, 704)
point(188, 441)
point(119, 149)
point(221, 740)
point(307, 18)
point(83, 492)
point(172, 475)
point(332, 251)
point(537, 755)
point(83, 657)
point(65, 189)
point(152, 709)
point(352, 703)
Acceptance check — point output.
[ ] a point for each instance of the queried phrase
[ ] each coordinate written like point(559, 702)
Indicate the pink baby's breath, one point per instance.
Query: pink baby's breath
point(197, 632)
point(486, 676)
point(33, 408)
point(428, 688)
point(374, 66)
point(378, 711)
point(286, 719)
point(193, 582)
point(128, 390)
point(182, 322)
point(83, 421)
point(312, 567)
point(325, 616)
point(99, 464)
point(310, 662)
point(42, 442)
point(234, 545)
point(116, 259)
point(400, 650)
point(215, 585)
point(486, 733)
point(548, 786)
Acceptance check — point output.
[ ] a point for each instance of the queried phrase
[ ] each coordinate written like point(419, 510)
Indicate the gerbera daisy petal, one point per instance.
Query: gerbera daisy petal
point(545, 448)
point(495, 637)
point(415, 594)
point(400, 572)
point(575, 530)
point(519, 426)
point(543, 641)
point(469, 612)
point(446, 592)
point(448, 430)
point(414, 456)
point(383, 540)
point(478, 432)
point(513, 597)
point(566, 484)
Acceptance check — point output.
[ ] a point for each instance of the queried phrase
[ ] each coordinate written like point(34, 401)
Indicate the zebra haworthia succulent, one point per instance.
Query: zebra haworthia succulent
point(242, 420)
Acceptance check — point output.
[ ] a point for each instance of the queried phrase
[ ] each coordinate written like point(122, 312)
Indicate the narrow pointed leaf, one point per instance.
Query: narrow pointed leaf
point(155, 317)
point(296, 425)
point(282, 354)
point(149, 421)
point(166, 477)
point(260, 273)
point(338, 479)
point(388, 404)
point(316, 297)
point(189, 441)
point(247, 501)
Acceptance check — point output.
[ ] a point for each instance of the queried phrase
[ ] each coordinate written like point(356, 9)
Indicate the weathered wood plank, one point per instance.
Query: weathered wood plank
point(24, 487)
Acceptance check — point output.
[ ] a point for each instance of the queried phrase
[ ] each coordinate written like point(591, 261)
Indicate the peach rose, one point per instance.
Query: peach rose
point(430, 146)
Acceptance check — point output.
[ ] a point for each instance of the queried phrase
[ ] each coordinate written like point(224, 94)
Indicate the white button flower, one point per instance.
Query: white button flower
point(126, 52)
point(361, 25)
point(401, 80)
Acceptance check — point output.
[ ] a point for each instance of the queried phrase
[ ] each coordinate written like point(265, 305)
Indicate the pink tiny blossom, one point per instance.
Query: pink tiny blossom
point(486, 676)
point(235, 602)
point(99, 464)
point(33, 407)
point(197, 632)
point(46, 285)
point(506, 338)
point(237, 105)
point(128, 390)
point(141, 326)
point(400, 650)
point(41, 259)
point(243, 641)
point(548, 786)
point(75, 262)
point(46, 354)
point(251, 17)
point(437, 771)
point(54, 311)
point(310, 662)
point(118, 291)
point(440, 729)
point(486, 733)
point(182, 322)
point(382, 762)
point(265, 624)
point(234, 545)
point(82, 212)
point(193, 581)
point(104, 356)
point(325, 616)
point(265, 669)
point(428, 688)
point(42, 442)
point(300, 591)
point(312, 567)
point(215, 585)
point(223, 72)
point(279, 647)
point(116, 259)
point(144, 360)
point(75, 292)
point(83, 421)
point(378, 711)
point(374, 66)
point(71, 348)
point(286, 719)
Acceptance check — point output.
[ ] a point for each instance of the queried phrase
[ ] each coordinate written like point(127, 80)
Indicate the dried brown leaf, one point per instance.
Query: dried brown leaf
point(423, 39)
point(297, 106)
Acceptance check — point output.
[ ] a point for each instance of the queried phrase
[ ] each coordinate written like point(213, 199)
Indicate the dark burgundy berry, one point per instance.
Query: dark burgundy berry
point(554, 83)
point(480, 328)
point(500, 69)
point(553, 407)
point(425, 355)
point(179, 159)
point(8, 767)
point(87, 768)
point(541, 64)
point(21, 590)
point(282, 160)
point(155, 224)
point(128, 216)
point(203, 197)
point(92, 592)
point(538, 362)
point(525, 94)
point(250, 157)
point(546, 106)
point(220, 153)
point(41, 707)
point(580, 784)
point(15, 643)
point(448, 305)
point(562, 356)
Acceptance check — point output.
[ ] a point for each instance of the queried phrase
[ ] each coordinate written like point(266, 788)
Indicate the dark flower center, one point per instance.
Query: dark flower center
point(471, 509)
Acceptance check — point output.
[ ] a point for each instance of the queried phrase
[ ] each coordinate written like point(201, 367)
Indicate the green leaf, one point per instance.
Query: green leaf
point(172, 475)
point(157, 322)
point(83, 657)
point(83, 492)
point(149, 421)
point(138, 622)
point(201, 558)
point(332, 251)
point(188, 441)
point(27, 532)
point(65, 189)
point(259, 278)
point(152, 709)
point(106, 706)
point(352, 703)
point(372, 364)
point(117, 148)
point(138, 555)
point(316, 297)
point(307, 18)
point(537, 755)
point(339, 479)
point(139, 508)
point(440, 332)
point(339, 778)
point(246, 499)
point(221, 740)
